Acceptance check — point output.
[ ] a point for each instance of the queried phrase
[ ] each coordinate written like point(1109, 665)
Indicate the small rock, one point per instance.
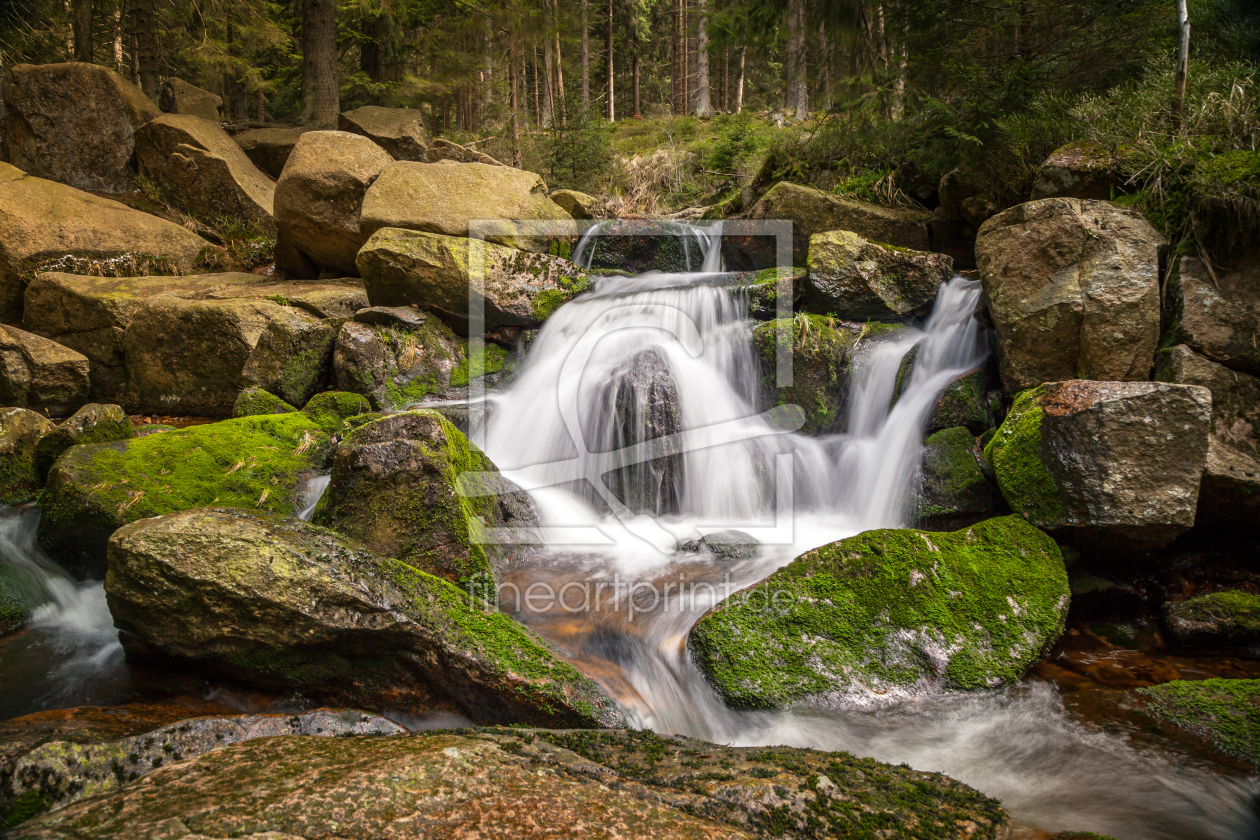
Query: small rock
point(858, 280)
point(1224, 713)
point(1230, 490)
point(1235, 396)
point(725, 545)
point(954, 491)
point(579, 205)
point(94, 423)
point(391, 316)
point(1078, 170)
point(269, 148)
point(20, 433)
point(1218, 313)
point(38, 373)
point(254, 401)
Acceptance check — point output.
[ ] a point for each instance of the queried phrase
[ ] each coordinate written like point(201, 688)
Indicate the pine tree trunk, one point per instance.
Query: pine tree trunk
point(537, 92)
point(675, 57)
point(638, 112)
point(586, 55)
point(610, 108)
point(118, 39)
point(82, 25)
point(797, 93)
point(549, 84)
point(739, 84)
point(514, 103)
point(487, 77)
point(692, 76)
point(320, 99)
point(704, 108)
point(1183, 61)
point(145, 27)
point(558, 79)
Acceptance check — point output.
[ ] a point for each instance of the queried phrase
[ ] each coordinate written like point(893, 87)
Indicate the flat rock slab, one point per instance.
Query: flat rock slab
point(399, 131)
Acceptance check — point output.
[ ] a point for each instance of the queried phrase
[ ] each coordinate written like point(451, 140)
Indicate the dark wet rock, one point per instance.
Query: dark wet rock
point(521, 289)
point(293, 357)
point(762, 291)
point(889, 614)
point(395, 488)
point(1229, 493)
point(1105, 463)
point(1073, 291)
point(634, 246)
point(855, 279)
point(45, 226)
point(1225, 713)
point(318, 200)
point(283, 605)
point(1078, 170)
point(1217, 313)
point(953, 491)
point(725, 545)
point(1235, 395)
point(955, 187)
point(255, 462)
point(399, 131)
point(1216, 620)
point(964, 402)
point(253, 401)
point(20, 433)
point(202, 169)
point(442, 198)
point(269, 148)
point(93, 423)
point(74, 123)
point(41, 374)
point(179, 97)
point(529, 783)
point(577, 204)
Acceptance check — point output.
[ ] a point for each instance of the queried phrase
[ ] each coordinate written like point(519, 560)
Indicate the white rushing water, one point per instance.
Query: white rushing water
point(673, 353)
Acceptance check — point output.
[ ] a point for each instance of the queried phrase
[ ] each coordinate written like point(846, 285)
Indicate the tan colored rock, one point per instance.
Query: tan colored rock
point(1219, 316)
point(269, 148)
point(42, 374)
point(74, 123)
point(442, 150)
point(399, 131)
point(443, 198)
point(1073, 289)
point(579, 205)
point(179, 97)
point(1235, 396)
point(856, 279)
point(201, 167)
point(1077, 170)
point(318, 199)
point(42, 222)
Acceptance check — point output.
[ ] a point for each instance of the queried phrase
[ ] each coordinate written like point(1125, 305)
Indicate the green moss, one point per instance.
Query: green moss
point(1223, 712)
point(491, 360)
point(1231, 614)
point(1015, 453)
point(330, 409)
point(253, 401)
point(24, 807)
point(886, 609)
point(545, 304)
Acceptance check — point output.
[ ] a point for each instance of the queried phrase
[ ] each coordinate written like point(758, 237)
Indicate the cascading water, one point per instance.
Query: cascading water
point(633, 422)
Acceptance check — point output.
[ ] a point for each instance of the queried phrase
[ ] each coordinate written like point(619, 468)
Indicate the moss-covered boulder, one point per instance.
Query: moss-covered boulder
point(577, 204)
point(254, 462)
point(853, 278)
point(293, 356)
point(1225, 713)
point(44, 224)
point(399, 131)
point(1082, 169)
point(443, 199)
point(255, 400)
point(285, 605)
point(20, 433)
point(888, 614)
point(1105, 462)
point(94, 423)
point(42, 374)
point(964, 402)
point(1227, 619)
point(202, 169)
point(1235, 395)
point(530, 784)
point(953, 490)
point(1073, 291)
point(821, 351)
point(1217, 313)
point(521, 289)
point(394, 488)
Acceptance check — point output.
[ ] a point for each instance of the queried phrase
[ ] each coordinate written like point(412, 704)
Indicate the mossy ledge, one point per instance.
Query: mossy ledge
point(1015, 453)
point(1226, 713)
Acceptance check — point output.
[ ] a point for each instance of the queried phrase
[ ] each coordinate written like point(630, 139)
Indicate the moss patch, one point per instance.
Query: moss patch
point(887, 610)
point(1015, 453)
point(1223, 712)
point(254, 401)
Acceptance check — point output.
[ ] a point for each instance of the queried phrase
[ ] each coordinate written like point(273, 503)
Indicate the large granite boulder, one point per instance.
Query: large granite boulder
point(1229, 493)
point(42, 374)
point(44, 224)
point(289, 606)
point(1083, 169)
point(1073, 290)
point(393, 488)
point(318, 199)
point(201, 167)
point(812, 211)
point(1116, 463)
point(94, 423)
point(293, 356)
point(521, 289)
point(1218, 313)
point(399, 131)
point(858, 280)
point(1235, 396)
point(186, 356)
point(178, 97)
point(442, 198)
point(257, 462)
point(74, 123)
point(888, 615)
point(953, 490)
point(269, 148)
point(528, 784)
point(20, 432)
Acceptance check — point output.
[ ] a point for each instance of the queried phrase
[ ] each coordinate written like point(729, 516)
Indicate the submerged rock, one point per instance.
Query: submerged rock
point(285, 605)
point(399, 131)
point(38, 373)
point(1116, 463)
point(633, 246)
point(724, 545)
point(394, 488)
point(1225, 713)
point(954, 490)
point(888, 614)
point(94, 423)
point(855, 279)
point(1073, 290)
point(1215, 620)
point(530, 783)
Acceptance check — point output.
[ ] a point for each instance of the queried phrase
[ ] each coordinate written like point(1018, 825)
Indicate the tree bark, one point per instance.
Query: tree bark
point(320, 98)
point(81, 23)
point(797, 93)
point(704, 108)
point(538, 117)
point(1183, 61)
point(610, 110)
point(487, 78)
point(638, 112)
point(118, 39)
point(586, 55)
point(557, 79)
point(739, 83)
point(145, 26)
point(676, 84)
point(514, 69)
